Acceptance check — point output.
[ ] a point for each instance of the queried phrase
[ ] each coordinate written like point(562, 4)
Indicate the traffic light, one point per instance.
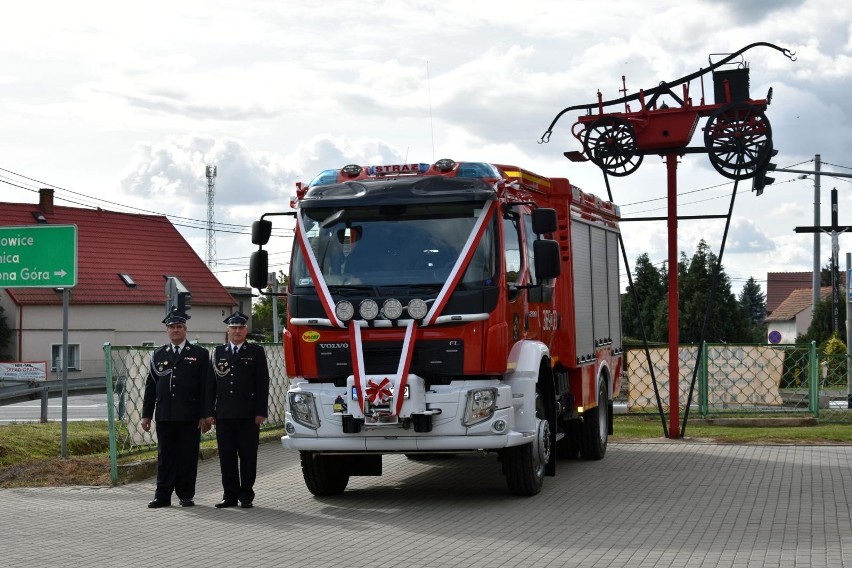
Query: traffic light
point(760, 179)
point(183, 303)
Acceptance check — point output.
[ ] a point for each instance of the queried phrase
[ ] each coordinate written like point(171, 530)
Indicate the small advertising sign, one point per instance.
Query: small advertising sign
point(23, 371)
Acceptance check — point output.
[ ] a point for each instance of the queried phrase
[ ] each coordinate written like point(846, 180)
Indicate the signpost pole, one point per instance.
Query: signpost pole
point(64, 445)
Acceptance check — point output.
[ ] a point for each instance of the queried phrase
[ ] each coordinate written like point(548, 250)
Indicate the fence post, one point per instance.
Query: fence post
point(702, 381)
point(45, 395)
point(813, 381)
point(113, 457)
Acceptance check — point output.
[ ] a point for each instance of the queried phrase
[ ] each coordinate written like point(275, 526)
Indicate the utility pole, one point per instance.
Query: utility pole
point(848, 330)
point(817, 173)
point(273, 283)
point(834, 230)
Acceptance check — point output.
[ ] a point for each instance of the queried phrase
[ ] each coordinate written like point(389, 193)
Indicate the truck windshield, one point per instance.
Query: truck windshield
point(394, 245)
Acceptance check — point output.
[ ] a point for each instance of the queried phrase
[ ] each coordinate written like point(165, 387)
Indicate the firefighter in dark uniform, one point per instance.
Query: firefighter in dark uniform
point(237, 400)
point(174, 397)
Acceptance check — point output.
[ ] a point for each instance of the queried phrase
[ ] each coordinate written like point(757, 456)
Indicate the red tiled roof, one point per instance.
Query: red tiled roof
point(146, 247)
point(779, 286)
point(797, 301)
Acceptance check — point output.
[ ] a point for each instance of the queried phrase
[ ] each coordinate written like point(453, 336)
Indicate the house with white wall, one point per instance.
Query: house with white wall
point(793, 316)
point(123, 262)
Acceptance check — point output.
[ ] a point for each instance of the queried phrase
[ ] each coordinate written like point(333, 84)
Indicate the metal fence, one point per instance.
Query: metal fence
point(126, 373)
point(743, 379)
point(731, 380)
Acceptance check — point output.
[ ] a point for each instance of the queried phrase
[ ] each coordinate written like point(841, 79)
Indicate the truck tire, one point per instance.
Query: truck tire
point(595, 430)
point(524, 466)
point(324, 475)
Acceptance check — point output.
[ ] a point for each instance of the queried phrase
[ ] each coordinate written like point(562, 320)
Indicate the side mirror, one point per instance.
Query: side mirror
point(259, 269)
point(547, 261)
point(544, 221)
point(261, 231)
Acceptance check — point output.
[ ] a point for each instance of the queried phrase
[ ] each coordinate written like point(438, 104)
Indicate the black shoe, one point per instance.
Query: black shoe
point(246, 505)
point(157, 503)
point(187, 503)
point(225, 503)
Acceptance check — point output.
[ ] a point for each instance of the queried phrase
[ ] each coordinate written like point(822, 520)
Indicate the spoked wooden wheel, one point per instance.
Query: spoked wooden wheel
point(738, 138)
point(610, 143)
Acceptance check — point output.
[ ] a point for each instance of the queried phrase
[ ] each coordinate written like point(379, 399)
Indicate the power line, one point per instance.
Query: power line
point(198, 223)
point(837, 166)
point(86, 201)
point(622, 205)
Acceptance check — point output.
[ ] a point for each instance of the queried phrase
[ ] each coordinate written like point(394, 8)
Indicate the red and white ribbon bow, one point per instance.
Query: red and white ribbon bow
point(378, 393)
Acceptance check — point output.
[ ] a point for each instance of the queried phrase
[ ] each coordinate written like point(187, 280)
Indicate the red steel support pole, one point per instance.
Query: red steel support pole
point(674, 337)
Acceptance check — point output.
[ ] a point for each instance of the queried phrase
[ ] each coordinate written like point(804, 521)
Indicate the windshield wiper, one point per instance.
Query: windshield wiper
point(347, 289)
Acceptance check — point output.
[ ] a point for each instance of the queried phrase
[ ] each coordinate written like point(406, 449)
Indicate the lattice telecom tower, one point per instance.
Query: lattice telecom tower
point(211, 235)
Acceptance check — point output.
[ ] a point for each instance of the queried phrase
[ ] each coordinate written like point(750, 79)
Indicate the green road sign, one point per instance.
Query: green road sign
point(42, 256)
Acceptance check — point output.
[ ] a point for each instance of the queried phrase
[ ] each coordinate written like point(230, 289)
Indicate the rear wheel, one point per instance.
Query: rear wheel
point(324, 475)
point(595, 432)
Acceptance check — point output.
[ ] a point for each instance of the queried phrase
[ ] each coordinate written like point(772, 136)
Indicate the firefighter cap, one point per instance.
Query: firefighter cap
point(236, 319)
point(174, 317)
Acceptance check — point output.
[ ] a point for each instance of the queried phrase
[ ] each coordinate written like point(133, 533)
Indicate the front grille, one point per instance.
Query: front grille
point(432, 358)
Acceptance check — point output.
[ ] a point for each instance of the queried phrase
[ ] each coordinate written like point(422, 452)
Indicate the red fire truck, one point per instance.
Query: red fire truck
point(447, 308)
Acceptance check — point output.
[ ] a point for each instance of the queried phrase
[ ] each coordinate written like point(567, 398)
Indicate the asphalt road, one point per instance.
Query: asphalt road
point(80, 407)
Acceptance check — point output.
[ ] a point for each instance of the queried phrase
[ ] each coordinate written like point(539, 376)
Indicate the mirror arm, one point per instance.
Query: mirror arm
point(261, 292)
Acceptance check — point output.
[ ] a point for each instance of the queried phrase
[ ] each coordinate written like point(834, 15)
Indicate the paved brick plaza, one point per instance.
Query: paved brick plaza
point(646, 504)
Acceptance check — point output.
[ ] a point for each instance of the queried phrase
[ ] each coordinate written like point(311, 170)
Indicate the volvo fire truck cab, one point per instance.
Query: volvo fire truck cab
point(447, 308)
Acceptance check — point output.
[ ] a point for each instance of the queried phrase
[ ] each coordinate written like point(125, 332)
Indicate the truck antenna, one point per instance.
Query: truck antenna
point(431, 123)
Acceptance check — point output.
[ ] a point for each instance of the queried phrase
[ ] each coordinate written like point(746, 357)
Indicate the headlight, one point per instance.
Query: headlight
point(417, 309)
point(344, 310)
point(303, 409)
point(392, 309)
point(481, 404)
point(368, 309)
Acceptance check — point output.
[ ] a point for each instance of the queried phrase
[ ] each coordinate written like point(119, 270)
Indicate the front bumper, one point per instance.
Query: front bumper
point(446, 403)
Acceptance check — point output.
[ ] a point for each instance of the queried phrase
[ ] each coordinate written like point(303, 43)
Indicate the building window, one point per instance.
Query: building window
point(73, 357)
point(128, 281)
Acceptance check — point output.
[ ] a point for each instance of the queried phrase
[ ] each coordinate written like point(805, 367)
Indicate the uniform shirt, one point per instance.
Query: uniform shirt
point(174, 389)
point(238, 383)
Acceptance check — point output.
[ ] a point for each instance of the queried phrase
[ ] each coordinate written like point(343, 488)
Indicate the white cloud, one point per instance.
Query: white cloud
point(128, 104)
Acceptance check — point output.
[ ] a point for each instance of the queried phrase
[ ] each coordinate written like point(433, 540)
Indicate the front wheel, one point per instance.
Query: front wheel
point(595, 427)
point(324, 475)
point(524, 466)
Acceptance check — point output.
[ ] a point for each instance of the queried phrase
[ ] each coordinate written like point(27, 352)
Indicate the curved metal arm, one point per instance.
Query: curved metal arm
point(664, 87)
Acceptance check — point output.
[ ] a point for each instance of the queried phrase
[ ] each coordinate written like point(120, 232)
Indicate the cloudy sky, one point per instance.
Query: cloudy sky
point(121, 106)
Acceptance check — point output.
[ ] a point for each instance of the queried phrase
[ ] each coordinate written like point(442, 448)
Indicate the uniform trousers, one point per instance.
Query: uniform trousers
point(177, 458)
point(238, 439)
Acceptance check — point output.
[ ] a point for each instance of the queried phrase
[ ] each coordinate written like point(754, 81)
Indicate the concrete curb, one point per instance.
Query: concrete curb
point(759, 422)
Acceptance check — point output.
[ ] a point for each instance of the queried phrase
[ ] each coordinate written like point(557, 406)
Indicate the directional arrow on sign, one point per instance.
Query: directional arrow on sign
point(42, 256)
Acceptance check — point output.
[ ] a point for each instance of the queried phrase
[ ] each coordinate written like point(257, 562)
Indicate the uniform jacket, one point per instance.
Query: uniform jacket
point(176, 385)
point(238, 384)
